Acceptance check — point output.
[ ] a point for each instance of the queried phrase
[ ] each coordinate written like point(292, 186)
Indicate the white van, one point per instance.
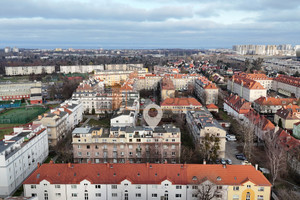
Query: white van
point(230, 137)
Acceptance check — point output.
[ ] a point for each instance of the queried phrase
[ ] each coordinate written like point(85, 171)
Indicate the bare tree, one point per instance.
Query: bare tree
point(209, 147)
point(287, 194)
point(206, 191)
point(247, 133)
point(275, 154)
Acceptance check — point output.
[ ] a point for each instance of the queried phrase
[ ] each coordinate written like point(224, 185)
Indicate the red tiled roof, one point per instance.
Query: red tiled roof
point(180, 102)
point(290, 80)
point(287, 141)
point(259, 120)
point(289, 112)
point(248, 83)
point(210, 86)
point(212, 106)
point(238, 104)
point(178, 174)
point(275, 101)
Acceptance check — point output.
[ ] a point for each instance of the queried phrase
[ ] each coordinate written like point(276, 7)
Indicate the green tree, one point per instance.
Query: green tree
point(93, 111)
point(296, 74)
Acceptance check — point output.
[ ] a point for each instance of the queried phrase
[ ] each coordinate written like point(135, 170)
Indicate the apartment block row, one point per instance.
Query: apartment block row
point(16, 91)
point(254, 86)
point(27, 70)
point(127, 144)
point(61, 120)
point(270, 50)
point(20, 153)
point(147, 181)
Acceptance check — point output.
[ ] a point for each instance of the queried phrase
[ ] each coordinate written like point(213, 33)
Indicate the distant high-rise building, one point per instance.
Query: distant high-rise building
point(7, 49)
point(15, 50)
point(298, 53)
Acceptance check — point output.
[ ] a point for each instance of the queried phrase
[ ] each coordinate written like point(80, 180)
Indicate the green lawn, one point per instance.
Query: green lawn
point(102, 122)
point(20, 115)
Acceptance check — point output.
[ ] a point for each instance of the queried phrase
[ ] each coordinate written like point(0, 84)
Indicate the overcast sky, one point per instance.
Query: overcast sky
point(127, 24)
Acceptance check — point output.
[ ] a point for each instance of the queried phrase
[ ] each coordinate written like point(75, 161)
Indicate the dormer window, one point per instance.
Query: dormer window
point(194, 178)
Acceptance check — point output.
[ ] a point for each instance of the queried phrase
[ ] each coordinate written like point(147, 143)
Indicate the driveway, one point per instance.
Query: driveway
point(231, 150)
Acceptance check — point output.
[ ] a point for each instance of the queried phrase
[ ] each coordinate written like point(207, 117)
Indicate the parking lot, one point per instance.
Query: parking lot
point(231, 150)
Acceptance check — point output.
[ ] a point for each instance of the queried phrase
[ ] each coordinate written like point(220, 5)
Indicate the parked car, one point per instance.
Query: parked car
point(240, 156)
point(230, 137)
point(229, 162)
point(217, 161)
point(223, 161)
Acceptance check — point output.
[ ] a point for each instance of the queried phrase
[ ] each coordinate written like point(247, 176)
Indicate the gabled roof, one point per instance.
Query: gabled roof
point(270, 101)
point(248, 83)
point(210, 86)
point(212, 106)
point(238, 104)
point(179, 174)
point(287, 141)
point(289, 112)
point(181, 102)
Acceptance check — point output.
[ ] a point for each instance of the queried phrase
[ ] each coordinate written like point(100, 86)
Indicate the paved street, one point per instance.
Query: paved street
point(231, 151)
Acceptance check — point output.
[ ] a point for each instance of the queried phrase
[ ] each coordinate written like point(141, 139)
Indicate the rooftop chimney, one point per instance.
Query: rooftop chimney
point(256, 166)
point(224, 166)
point(204, 162)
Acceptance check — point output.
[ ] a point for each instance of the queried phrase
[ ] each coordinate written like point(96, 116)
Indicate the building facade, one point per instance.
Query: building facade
point(206, 91)
point(126, 144)
point(270, 105)
point(201, 123)
point(180, 105)
point(27, 70)
point(236, 106)
point(146, 182)
point(18, 91)
point(20, 154)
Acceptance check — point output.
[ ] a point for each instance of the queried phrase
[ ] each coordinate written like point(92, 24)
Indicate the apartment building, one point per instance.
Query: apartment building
point(182, 81)
point(180, 105)
point(123, 67)
point(147, 82)
point(17, 91)
point(20, 153)
point(167, 88)
point(206, 91)
point(236, 106)
point(263, 79)
point(246, 88)
point(289, 115)
point(201, 123)
point(127, 144)
point(113, 77)
point(74, 108)
point(287, 85)
point(80, 68)
point(27, 70)
point(270, 105)
point(146, 181)
point(56, 122)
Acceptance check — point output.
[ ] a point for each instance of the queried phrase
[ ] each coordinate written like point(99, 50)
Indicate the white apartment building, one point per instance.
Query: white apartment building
point(27, 70)
point(287, 85)
point(146, 182)
point(75, 110)
point(201, 123)
point(20, 154)
point(246, 88)
point(80, 68)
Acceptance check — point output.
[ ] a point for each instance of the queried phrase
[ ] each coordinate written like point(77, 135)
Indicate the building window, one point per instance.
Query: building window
point(235, 197)
point(57, 186)
point(79, 153)
point(46, 196)
point(138, 195)
point(178, 186)
point(138, 187)
point(177, 195)
point(58, 194)
point(126, 196)
point(236, 188)
point(114, 186)
point(86, 196)
point(74, 194)
point(98, 194)
point(73, 186)
point(248, 186)
point(195, 187)
point(260, 197)
point(261, 189)
point(33, 194)
point(154, 195)
point(194, 195)
point(219, 187)
point(33, 186)
point(114, 194)
point(97, 186)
